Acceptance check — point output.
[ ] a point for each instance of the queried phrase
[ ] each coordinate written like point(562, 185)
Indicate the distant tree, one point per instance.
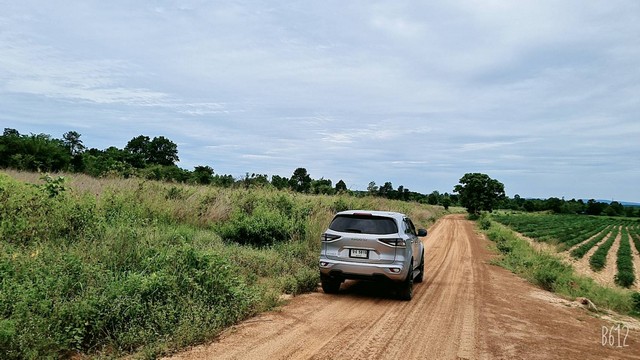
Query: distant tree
point(163, 151)
point(279, 182)
point(372, 188)
point(203, 174)
point(479, 192)
point(322, 186)
point(629, 211)
point(254, 179)
point(300, 180)
point(595, 207)
point(72, 142)
point(386, 189)
point(10, 132)
point(223, 180)
point(341, 186)
point(614, 209)
point(433, 198)
point(529, 206)
point(446, 202)
point(554, 204)
point(138, 149)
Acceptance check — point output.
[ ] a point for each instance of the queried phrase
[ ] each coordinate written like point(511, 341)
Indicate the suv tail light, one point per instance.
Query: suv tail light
point(329, 237)
point(394, 241)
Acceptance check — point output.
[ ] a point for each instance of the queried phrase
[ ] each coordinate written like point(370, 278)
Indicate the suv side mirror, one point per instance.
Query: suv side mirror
point(422, 232)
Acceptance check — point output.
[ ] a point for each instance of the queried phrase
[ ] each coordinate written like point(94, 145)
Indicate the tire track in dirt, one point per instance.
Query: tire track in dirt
point(464, 309)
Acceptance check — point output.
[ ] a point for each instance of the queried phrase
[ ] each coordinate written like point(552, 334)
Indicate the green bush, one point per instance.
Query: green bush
point(635, 297)
point(485, 223)
point(263, 225)
point(24, 207)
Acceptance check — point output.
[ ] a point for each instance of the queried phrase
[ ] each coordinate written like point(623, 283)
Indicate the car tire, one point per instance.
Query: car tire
point(420, 276)
point(406, 288)
point(330, 285)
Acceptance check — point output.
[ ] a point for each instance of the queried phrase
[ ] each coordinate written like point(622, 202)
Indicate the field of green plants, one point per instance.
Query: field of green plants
point(109, 267)
point(580, 234)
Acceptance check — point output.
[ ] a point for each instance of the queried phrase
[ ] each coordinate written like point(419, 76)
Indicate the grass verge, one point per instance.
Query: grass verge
point(112, 267)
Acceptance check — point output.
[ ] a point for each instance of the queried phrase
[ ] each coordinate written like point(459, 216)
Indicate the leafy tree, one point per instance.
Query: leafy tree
point(10, 132)
point(372, 188)
point(72, 142)
point(223, 180)
point(594, 207)
point(202, 175)
point(446, 202)
point(260, 180)
point(138, 150)
point(479, 192)
point(322, 186)
point(163, 151)
point(341, 186)
point(386, 189)
point(614, 209)
point(279, 182)
point(300, 180)
point(433, 198)
point(75, 147)
point(554, 204)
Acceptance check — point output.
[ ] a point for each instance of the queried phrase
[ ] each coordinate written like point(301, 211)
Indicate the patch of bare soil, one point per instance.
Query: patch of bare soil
point(466, 308)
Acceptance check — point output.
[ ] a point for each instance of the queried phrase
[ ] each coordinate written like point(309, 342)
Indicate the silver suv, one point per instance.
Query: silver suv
point(372, 245)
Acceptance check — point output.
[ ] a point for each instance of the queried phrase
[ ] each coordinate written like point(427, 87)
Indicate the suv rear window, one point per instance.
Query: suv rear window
point(364, 224)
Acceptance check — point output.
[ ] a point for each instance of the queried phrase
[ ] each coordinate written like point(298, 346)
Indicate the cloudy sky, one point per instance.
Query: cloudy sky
point(542, 95)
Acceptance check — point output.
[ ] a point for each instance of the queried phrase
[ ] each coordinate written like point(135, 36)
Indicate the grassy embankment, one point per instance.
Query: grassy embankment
point(550, 273)
point(109, 267)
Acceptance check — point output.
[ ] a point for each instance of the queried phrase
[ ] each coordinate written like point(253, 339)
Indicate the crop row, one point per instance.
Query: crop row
point(625, 276)
point(599, 258)
point(568, 230)
point(580, 251)
point(635, 236)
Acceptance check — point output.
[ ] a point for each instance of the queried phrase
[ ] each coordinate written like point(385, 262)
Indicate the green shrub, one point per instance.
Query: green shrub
point(635, 297)
point(262, 225)
point(485, 223)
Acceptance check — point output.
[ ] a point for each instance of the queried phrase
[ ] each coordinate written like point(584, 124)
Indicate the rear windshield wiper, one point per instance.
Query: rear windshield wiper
point(353, 230)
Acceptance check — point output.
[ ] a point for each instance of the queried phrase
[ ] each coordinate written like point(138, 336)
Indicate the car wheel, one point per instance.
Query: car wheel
point(406, 287)
point(420, 276)
point(329, 285)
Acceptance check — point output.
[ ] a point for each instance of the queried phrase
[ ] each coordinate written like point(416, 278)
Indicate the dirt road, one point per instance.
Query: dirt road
point(466, 308)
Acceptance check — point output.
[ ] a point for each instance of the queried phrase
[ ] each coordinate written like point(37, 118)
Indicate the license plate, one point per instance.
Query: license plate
point(359, 253)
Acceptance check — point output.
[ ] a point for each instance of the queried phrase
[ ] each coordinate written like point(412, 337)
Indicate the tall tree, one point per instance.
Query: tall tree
point(372, 188)
point(479, 192)
point(72, 142)
point(163, 151)
point(341, 186)
point(138, 150)
point(300, 180)
point(279, 182)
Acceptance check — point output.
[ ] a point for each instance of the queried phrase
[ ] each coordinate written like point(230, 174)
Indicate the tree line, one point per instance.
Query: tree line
point(156, 158)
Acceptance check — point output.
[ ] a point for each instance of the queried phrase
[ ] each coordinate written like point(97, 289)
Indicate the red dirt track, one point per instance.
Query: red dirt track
point(466, 308)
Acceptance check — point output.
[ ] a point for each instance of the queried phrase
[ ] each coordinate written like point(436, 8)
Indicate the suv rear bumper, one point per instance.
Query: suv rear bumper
point(342, 270)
